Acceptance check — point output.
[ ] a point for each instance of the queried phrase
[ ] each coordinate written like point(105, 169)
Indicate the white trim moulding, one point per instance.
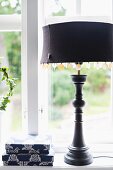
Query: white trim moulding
point(10, 22)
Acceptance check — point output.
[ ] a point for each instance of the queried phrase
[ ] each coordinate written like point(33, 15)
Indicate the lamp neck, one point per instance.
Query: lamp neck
point(78, 64)
point(78, 72)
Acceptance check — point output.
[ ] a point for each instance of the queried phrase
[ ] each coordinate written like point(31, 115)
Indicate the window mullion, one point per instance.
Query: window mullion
point(30, 66)
point(10, 22)
point(43, 91)
point(78, 8)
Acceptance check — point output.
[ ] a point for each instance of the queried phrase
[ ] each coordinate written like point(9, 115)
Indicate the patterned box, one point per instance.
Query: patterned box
point(26, 163)
point(28, 157)
point(27, 148)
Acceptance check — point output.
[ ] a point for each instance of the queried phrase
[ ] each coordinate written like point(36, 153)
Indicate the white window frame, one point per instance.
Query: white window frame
point(10, 22)
point(30, 66)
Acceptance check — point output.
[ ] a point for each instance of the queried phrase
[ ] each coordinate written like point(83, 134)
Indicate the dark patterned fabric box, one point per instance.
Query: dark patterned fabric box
point(28, 151)
point(26, 163)
point(27, 148)
point(28, 157)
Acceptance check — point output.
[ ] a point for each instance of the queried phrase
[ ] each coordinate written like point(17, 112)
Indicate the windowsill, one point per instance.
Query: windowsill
point(98, 163)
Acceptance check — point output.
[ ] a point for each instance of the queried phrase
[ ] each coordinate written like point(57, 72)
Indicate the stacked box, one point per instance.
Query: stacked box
point(27, 148)
point(28, 155)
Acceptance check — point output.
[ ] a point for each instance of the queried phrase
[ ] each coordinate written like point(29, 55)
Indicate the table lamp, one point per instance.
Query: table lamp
point(77, 42)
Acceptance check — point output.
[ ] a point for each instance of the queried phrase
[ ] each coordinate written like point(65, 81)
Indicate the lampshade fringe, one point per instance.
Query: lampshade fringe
point(88, 65)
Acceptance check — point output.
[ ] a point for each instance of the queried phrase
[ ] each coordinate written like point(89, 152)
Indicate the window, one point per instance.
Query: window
point(24, 32)
point(53, 114)
point(10, 51)
point(16, 30)
point(57, 107)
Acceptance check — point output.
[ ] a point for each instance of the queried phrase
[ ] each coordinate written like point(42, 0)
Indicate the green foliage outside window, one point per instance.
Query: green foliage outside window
point(61, 10)
point(10, 6)
point(12, 40)
point(13, 46)
point(97, 80)
point(11, 43)
point(96, 92)
point(63, 89)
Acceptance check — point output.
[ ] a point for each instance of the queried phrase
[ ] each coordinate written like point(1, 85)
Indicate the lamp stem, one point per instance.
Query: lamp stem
point(78, 72)
point(78, 153)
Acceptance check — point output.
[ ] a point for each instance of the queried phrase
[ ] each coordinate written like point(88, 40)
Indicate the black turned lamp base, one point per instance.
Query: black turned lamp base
point(78, 153)
point(78, 156)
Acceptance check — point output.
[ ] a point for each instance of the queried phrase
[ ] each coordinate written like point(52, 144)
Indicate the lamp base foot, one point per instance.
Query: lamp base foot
point(78, 156)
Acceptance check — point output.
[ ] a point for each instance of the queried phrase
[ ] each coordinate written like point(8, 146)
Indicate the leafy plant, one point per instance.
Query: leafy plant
point(10, 82)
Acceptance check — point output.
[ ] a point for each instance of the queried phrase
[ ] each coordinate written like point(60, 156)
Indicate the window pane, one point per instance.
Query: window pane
point(97, 113)
point(10, 50)
point(10, 6)
point(59, 8)
point(97, 7)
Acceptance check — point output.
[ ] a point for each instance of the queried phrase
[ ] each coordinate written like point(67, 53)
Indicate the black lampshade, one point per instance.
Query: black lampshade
point(77, 42)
